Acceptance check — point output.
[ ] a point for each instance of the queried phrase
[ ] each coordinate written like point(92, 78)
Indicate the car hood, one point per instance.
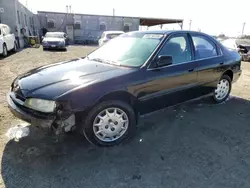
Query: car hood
point(53, 39)
point(51, 81)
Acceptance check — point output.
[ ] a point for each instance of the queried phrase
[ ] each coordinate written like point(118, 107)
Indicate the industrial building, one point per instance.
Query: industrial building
point(80, 28)
point(86, 27)
point(21, 20)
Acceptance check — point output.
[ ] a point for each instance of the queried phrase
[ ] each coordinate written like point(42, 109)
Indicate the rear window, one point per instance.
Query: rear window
point(111, 36)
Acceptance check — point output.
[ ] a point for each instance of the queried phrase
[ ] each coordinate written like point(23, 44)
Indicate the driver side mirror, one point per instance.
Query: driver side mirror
point(164, 60)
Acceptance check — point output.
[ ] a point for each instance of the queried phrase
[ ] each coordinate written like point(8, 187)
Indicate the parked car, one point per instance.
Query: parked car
point(55, 40)
point(242, 46)
point(7, 40)
point(134, 74)
point(108, 35)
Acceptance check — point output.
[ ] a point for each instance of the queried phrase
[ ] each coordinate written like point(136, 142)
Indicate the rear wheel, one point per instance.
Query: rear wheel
point(15, 48)
point(223, 89)
point(109, 123)
point(5, 50)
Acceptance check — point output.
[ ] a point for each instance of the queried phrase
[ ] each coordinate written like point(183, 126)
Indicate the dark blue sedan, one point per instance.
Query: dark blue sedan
point(134, 74)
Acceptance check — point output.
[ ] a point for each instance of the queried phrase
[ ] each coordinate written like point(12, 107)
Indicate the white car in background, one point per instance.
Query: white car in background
point(108, 35)
point(7, 40)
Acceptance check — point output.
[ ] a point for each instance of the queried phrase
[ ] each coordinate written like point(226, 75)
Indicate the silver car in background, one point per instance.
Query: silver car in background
point(108, 35)
point(54, 40)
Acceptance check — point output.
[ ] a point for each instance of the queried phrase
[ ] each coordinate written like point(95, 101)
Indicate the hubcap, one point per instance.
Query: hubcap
point(110, 124)
point(222, 89)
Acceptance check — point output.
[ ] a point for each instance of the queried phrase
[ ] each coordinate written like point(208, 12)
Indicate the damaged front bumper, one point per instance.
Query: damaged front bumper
point(55, 121)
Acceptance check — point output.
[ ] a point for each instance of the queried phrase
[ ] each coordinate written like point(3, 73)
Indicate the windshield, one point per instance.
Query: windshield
point(243, 42)
point(54, 35)
point(131, 49)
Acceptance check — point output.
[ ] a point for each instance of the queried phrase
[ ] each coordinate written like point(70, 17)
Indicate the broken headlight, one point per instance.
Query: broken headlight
point(41, 105)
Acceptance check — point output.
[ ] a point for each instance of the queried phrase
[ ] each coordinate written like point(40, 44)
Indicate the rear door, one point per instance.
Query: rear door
point(210, 61)
point(172, 84)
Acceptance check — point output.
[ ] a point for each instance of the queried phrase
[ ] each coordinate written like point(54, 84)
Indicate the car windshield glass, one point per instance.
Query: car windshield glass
point(131, 49)
point(243, 42)
point(54, 35)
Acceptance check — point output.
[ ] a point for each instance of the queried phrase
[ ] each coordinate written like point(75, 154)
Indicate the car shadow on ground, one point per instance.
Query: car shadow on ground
point(198, 144)
point(55, 50)
point(9, 54)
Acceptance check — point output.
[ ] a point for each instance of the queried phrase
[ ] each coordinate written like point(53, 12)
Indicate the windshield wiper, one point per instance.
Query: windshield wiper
point(105, 61)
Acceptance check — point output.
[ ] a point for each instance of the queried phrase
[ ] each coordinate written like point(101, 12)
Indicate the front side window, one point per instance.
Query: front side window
point(130, 50)
point(177, 47)
point(204, 48)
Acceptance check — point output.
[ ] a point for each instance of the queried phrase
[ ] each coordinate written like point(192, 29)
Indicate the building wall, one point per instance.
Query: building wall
point(90, 25)
point(19, 18)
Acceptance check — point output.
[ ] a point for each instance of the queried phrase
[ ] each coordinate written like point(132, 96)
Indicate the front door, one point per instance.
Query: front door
point(172, 84)
point(70, 32)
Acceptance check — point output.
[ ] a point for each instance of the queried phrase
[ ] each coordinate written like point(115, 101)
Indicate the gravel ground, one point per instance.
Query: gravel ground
point(197, 144)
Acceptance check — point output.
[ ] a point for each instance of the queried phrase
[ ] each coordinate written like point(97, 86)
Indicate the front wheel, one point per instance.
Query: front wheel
point(223, 89)
point(109, 123)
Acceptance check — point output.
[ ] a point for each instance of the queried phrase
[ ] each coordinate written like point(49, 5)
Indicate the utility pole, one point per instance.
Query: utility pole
point(70, 9)
point(243, 28)
point(190, 24)
point(113, 12)
point(67, 9)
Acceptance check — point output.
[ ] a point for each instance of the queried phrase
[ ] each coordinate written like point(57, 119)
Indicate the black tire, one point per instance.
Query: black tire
point(14, 50)
point(87, 126)
point(226, 77)
point(5, 50)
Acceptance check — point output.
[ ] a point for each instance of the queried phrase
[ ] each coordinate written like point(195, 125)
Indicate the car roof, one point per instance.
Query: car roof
point(113, 32)
point(166, 32)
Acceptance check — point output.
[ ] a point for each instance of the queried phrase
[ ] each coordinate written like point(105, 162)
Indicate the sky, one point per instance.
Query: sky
point(210, 16)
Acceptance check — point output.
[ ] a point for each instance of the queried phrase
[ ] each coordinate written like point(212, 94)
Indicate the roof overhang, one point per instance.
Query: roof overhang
point(158, 21)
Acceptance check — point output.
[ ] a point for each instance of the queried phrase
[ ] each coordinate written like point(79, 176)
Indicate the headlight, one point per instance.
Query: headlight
point(40, 105)
point(61, 42)
point(45, 42)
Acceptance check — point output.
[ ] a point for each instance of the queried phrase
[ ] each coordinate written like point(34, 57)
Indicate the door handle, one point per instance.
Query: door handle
point(190, 70)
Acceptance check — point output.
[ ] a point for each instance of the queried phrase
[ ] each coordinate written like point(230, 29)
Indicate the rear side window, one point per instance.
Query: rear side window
point(229, 44)
point(204, 48)
point(178, 47)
